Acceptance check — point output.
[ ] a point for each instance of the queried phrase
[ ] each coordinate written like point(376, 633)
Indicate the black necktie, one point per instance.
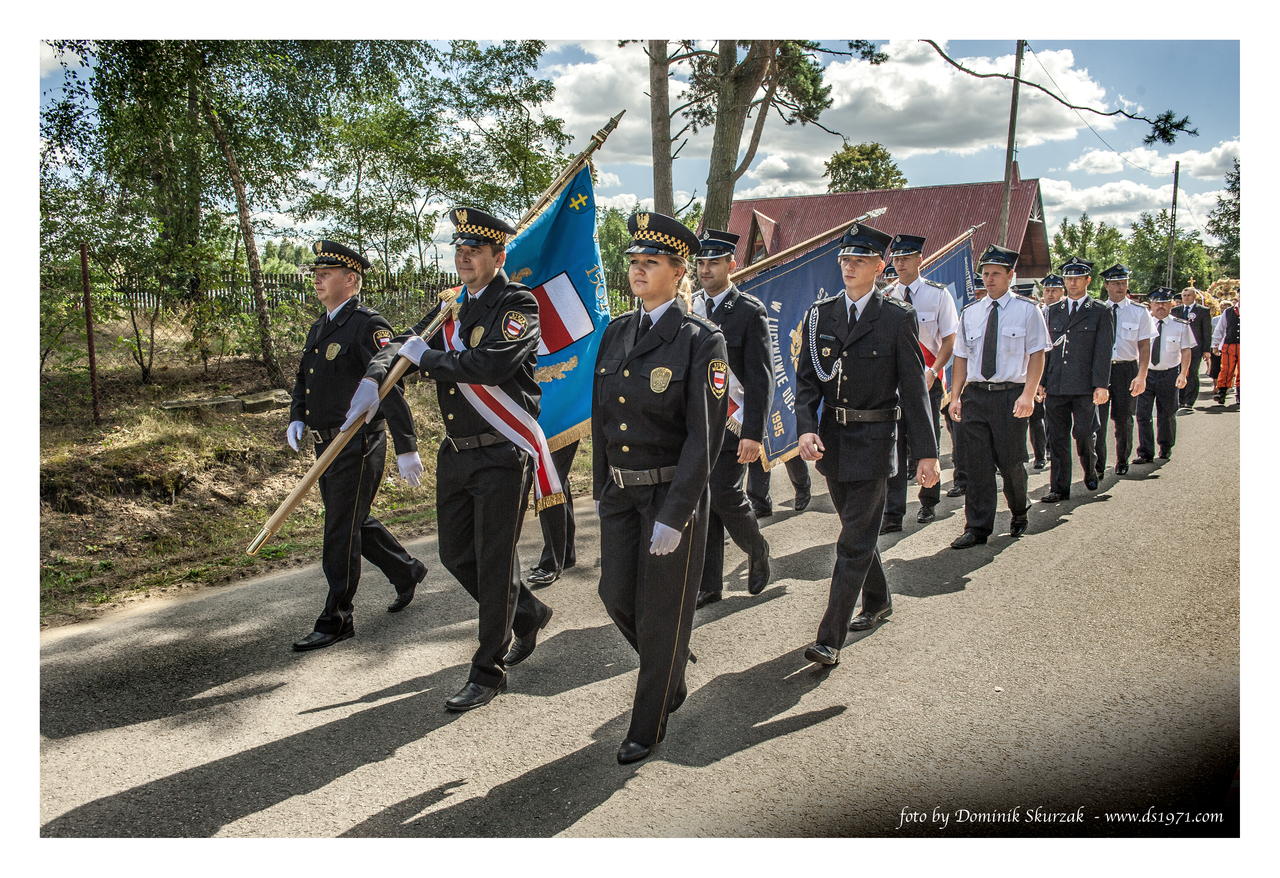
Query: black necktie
point(1155, 348)
point(1074, 307)
point(989, 343)
point(906, 295)
point(713, 312)
point(646, 322)
point(1115, 322)
point(466, 306)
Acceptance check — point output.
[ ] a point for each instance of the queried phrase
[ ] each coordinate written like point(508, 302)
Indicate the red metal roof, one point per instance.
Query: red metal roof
point(939, 213)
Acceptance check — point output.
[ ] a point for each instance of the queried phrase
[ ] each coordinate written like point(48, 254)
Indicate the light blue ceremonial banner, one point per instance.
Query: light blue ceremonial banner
point(954, 270)
point(787, 291)
point(558, 256)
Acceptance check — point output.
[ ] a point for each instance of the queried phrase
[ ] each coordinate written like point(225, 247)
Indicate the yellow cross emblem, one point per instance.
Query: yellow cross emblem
point(579, 202)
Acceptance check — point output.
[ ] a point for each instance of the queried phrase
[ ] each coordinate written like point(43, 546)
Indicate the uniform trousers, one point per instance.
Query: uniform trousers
point(993, 439)
point(1162, 396)
point(730, 512)
point(959, 475)
point(481, 498)
point(895, 504)
point(1229, 371)
point(558, 529)
point(1188, 395)
point(1038, 427)
point(347, 488)
point(1119, 407)
point(858, 569)
point(758, 481)
point(651, 598)
point(1070, 415)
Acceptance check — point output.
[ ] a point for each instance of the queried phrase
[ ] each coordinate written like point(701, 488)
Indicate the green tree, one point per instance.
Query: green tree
point(611, 232)
point(1147, 254)
point(1224, 223)
point(862, 167)
point(1099, 243)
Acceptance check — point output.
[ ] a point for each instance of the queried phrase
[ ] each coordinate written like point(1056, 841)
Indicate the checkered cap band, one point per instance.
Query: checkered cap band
point(353, 264)
point(470, 230)
point(671, 242)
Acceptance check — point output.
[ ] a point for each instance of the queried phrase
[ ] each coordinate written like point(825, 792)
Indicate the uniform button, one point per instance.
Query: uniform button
point(451, 391)
point(311, 370)
point(316, 351)
point(626, 373)
point(622, 399)
point(426, 374)
point(451, 417)
point(602, 371)
point(308, 411)
point(622, 426)
point(625, 448)
point(308, 390)
point(844, 400)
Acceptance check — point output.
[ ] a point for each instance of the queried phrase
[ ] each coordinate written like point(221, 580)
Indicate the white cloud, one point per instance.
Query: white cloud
point(49, 60)
point(624, 203)
point(604, 180)
point(1120, 202)
point(1212, 164)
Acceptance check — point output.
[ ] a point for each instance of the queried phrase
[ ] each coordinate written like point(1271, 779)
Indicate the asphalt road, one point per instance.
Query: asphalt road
point(1022, 688)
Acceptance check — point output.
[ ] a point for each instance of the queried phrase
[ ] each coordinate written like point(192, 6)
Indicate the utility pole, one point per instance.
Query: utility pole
point(1008, 153)
point(1173, 227)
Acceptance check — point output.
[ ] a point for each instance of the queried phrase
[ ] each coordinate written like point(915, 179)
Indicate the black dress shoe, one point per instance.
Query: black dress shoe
point(967, 539)
point(956, 491)
point(404, 597)
point(319, 640)
point(681, 695)
point(761, 512)
point(803, 496)
point(1054, 497)
point(758, 572)
point(633, 751)
point(890, 527)
point(925, 515)
point(1039, 464)
point(538, 577)
point(707, 597)
point(1164, 454)
point(1122, 468)
point(865, 620)
point(1091, 484)
point(821, 654)
point(522, 647)
point(1017, 527)
point(1142, 458)
point(474, 695)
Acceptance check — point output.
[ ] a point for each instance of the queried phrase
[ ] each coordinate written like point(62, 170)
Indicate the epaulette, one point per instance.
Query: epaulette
point(365, 309)
point(751, 298)
point(622, 315)
point(899, 302)
point(702, 320)
point(1025, 298)
point(934, 283)
point(971, 304)
point(1184, 321)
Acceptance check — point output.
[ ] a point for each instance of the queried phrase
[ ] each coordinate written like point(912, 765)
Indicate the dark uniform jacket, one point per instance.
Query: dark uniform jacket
point(746, 336)
point(640, 421)
point(1080, 359)
point(334, 360)
point(1201, 326)
point(505, 355)
point(881, 367)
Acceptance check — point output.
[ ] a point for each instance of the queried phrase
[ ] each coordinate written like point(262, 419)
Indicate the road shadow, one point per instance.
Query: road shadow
point(175, 654)
point(729, 714)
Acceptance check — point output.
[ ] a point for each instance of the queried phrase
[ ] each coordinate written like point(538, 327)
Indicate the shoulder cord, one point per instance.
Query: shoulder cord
point(813, 349)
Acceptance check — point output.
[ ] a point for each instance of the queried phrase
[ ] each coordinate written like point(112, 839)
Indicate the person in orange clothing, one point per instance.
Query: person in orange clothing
point(1226, 343)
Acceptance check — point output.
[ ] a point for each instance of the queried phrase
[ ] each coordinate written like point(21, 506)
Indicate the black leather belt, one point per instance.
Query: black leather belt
point(1113, 362)
point(867, 416)
point(326, 435)
point(994, 386)
point(634, 478)
point(462, 443)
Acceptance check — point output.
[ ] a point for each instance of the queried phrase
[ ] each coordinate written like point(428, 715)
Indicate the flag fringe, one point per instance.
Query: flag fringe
point(569, 436)
point(547, 502)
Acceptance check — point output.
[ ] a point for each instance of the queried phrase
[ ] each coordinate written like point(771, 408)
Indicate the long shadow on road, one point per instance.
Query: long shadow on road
point(729, 714)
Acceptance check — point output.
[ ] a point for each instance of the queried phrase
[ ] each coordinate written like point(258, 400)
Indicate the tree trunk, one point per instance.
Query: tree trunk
point(274, 373)
point(660, 126)
point(738, 84)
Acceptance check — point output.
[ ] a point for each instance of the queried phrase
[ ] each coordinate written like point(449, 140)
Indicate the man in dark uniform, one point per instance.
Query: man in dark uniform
point(1130, 356)
point(1197, 316)
point(1077, 373)
point(1054, 287)
point(860, 360)
point(339, 348)
point(558, 528)
point(741, 317)
point(999, 356)
point(936, 321)
point(1171, 353)
point(482, 476)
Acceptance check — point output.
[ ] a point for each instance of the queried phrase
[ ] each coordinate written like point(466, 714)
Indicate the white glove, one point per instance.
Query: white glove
point(364, 403)
point(413, 349)
point(665, 539)
point(410, 467)
point(294, 433)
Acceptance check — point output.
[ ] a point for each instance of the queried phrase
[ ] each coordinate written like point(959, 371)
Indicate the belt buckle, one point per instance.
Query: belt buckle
point(449, 439)
point(841, 418)
point(616, 475)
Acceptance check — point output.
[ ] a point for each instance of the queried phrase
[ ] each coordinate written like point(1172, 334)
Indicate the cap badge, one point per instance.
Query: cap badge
point(642, 220)
point(462, 217)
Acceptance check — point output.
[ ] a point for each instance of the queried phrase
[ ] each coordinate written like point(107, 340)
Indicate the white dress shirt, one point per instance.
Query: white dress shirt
point(1175, 337)
point(1133, 324)
point(710, 303)
point(1022, 333)
point(935, 312)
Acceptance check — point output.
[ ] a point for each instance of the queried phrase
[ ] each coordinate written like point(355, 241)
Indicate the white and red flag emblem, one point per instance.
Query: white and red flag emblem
point(562, 317)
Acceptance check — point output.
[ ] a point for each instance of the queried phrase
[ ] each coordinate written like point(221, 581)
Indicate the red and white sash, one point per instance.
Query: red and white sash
point(506, 416)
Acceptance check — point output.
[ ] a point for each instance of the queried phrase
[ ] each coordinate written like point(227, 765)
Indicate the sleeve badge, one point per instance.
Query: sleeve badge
point(514, 325)
point(382, 337)
point(718, 377)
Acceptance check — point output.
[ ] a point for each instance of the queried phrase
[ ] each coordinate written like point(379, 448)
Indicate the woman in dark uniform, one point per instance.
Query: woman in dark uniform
point(658, 413)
